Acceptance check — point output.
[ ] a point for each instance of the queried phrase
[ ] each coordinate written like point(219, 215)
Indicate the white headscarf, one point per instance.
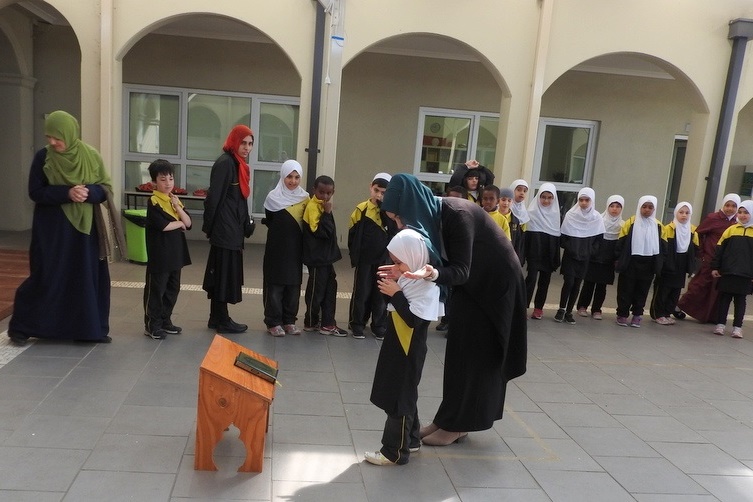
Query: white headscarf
point(280, 197)
point(519, 208)
point(748, 205)
point(409, 247)
point(613, 224)
point(583, 222)
point(733, 197)
point(682, 230)
point(645, 241)
point(545, 219)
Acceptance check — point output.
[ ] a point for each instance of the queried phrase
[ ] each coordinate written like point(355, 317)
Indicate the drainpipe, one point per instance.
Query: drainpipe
point(740, 32)
point(316, 94)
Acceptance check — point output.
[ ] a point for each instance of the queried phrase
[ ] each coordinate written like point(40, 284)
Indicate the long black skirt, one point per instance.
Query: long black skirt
point(223, 278)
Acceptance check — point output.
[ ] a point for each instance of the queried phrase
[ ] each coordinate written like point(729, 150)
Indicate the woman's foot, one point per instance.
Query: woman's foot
point(17, 338)
point(443, 438)
point(427, 429)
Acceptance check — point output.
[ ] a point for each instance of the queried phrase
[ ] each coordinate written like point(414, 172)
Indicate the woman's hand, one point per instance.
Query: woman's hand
point(78, 193)
point(388, 286)
point(423, 273)
point(389, 272)
point(715, 273)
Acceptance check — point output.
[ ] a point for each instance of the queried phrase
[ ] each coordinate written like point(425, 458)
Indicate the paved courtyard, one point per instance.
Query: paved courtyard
point(604, 413)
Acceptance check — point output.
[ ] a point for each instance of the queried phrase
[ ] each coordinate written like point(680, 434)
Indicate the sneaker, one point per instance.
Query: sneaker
point(622, 321)
point(309, 329)
point(559, 316)
point(719, 330)
point(377, 458)
point(442, 326)
point(333, 330)
point(276, 331)
point(664, 321)
point(583, 312)
point(157, 334)
point(291, 329)
point(358, 334)
point(171, 329)
point(635, 322)
point(596, 315)
point(737, 332)
point(569, 319)
point(379, 335)
point(537, 314)
point(414, 449)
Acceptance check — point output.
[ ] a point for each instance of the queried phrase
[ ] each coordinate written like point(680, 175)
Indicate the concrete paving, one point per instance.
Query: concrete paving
point(604, 413)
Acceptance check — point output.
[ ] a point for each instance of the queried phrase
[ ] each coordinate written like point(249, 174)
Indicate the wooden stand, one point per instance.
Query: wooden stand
point(230, 395)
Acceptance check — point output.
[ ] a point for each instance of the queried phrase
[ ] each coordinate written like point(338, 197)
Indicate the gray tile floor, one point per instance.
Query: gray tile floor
point(604, 413)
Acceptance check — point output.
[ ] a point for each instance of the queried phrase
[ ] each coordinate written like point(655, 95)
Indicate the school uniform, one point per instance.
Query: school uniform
point(600, 271)
point(167, 254)
point(734, 261)
point(320, 252)
point(501, 221)
point(639, 258)
point(680, 260)
point(370, 232)
point(518, 228)
point(581, 229)
point(542, 246)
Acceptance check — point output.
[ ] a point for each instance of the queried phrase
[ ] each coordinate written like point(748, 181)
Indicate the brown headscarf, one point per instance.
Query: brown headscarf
point(231, 145)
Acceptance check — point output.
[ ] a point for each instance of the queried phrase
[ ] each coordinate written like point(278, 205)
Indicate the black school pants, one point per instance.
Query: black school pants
point(160, 294)
point(592, 290)
point(367, 301)
point(281, 303)
point(400, 433)
point(321, 293)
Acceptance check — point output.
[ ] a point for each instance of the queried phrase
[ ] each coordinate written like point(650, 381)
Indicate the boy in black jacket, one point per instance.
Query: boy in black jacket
point(320, 252)
point(370, 232)
point(167, 251)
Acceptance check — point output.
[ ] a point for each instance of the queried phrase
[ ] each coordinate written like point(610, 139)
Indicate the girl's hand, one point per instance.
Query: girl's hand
point(388, 286)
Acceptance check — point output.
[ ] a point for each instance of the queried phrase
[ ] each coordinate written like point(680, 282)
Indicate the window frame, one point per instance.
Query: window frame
point(588, 166)
point(183, 93)
point(473, 135)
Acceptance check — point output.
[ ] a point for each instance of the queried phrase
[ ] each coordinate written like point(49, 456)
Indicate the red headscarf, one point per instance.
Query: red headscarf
point(231, 145)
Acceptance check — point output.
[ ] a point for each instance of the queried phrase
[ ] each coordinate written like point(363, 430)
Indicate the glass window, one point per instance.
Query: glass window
point(153, 121)
point(262, 183)
point(565, 153)
point(278, 132)
point(210, 118)
point(447, 138)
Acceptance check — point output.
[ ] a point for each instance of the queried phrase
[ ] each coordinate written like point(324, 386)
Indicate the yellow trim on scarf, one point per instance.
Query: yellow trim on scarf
point(404, 332)
point(163, 200)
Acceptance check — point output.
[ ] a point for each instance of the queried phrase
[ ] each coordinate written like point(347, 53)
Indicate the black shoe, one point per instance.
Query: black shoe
point(559, 316)
point(358, 333)
point(679, 314)
point(104, 339)
point(18, 338)
point(230, 326)
point(569, 319)
point(212, 323)
point(442, 326)
point(171, 329)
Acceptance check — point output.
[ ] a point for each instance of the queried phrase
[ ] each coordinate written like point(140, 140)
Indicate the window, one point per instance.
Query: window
point(565, 151)
point(188, 128)
point(447, 138)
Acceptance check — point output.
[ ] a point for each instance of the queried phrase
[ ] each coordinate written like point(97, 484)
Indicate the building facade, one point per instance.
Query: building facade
point(626, 97)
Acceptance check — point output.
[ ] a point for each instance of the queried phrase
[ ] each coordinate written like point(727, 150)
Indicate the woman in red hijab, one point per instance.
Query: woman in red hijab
point(226, 224)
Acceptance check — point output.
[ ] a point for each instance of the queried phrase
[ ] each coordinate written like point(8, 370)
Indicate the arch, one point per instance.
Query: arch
point(636, 64)
point(240, 26)
point(420, 44)
point(20, 63)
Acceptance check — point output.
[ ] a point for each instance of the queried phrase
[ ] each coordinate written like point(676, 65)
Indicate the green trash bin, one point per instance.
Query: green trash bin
point(135, 230)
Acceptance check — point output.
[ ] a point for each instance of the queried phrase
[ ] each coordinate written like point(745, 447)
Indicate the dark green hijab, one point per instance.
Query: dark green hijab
point(418, 208)
point(79, 164)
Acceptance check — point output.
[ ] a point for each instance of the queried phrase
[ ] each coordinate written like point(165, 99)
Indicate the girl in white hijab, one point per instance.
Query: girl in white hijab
point(542, 244)
point(639, 249)
point(581, 229)
point(601, 266)
point(519, 189)
point(413, 304)
point(679, 262)
point(283, 251)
